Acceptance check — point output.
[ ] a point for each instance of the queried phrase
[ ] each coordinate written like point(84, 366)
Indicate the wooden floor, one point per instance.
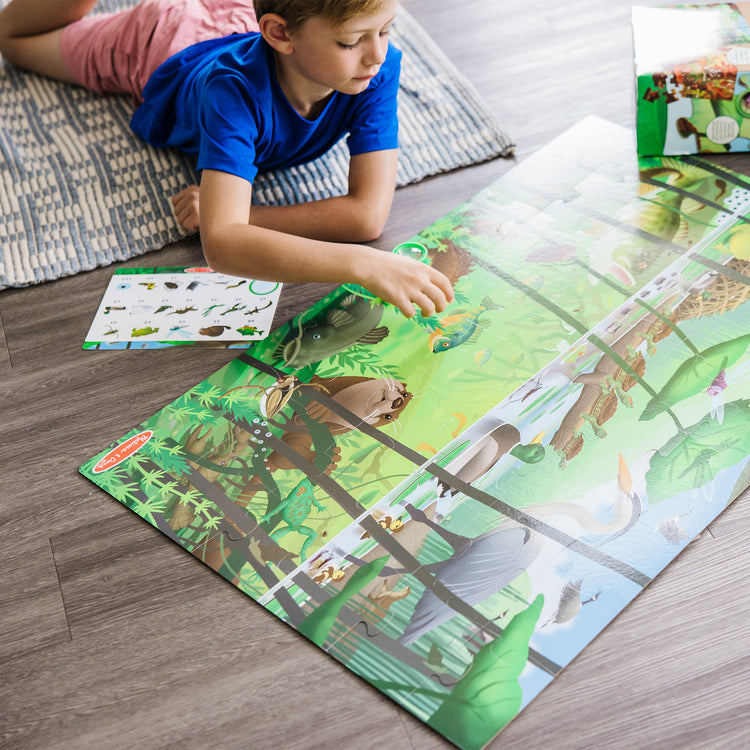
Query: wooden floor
point(113, 637)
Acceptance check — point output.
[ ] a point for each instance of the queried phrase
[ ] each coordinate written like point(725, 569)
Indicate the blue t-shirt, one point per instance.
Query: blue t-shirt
point(220, 101)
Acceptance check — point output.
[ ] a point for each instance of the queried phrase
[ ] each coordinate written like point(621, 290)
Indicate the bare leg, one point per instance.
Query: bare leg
point(30, 33)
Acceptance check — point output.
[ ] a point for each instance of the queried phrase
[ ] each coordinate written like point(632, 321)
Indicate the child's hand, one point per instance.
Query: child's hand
point(406, 283)
point(186, 207)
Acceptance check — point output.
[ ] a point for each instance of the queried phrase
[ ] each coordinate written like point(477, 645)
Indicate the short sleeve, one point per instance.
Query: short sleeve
point(229, 128)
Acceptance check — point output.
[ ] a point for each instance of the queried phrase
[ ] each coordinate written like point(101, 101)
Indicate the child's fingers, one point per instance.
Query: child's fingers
point(439, 293)
point(426, 305)
point(406, 306)
point(186, 208)
point(406, 283)
point(187, 220)
point(186, 197)
point(402, 298)
point(445, 286)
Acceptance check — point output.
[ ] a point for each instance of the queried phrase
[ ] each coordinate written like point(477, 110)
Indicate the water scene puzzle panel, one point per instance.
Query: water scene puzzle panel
point(453, 507)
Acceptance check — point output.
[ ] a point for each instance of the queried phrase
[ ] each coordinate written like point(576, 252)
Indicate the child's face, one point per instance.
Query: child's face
point(343, 58)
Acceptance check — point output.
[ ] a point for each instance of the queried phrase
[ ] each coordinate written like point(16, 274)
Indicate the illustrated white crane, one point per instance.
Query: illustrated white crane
point(486, 564)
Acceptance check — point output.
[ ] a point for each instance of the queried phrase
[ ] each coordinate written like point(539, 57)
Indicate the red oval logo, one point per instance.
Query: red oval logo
point(124, 450)
point(199, 269)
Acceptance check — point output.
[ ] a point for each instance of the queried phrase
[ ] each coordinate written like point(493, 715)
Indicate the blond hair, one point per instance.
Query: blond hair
point(336, 12)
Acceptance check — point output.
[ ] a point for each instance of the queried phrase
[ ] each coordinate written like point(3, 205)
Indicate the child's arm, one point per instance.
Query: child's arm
point(358, 216)
point(237, 247)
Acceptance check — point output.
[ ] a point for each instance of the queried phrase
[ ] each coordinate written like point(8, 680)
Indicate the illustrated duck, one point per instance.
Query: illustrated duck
point(482, 455)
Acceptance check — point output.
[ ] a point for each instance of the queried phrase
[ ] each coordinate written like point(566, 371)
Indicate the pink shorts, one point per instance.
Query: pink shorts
point(116, 53)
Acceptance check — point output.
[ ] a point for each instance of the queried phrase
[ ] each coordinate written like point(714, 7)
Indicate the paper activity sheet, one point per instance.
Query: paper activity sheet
point(158, 307)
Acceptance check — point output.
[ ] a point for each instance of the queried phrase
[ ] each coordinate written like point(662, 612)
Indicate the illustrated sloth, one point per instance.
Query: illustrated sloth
point(373, 401)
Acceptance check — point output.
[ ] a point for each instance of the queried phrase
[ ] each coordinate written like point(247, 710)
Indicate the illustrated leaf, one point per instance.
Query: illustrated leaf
point(317, 625)
point(691, 459)
point(488, 696)
point(695, 375)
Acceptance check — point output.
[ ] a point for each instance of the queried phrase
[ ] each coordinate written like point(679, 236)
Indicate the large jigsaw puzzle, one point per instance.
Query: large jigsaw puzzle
point(454, 507)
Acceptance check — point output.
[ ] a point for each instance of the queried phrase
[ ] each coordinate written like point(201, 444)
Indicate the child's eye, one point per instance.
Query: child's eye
point(382, 33)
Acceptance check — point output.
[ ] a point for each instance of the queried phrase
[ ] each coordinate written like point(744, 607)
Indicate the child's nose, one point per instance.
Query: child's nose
point(376, 52)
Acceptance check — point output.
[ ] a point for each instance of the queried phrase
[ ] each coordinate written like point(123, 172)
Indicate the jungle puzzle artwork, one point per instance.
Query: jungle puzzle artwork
point(453, 507)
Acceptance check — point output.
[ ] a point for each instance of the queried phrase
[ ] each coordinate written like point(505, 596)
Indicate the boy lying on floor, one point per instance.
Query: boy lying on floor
point(244, 89)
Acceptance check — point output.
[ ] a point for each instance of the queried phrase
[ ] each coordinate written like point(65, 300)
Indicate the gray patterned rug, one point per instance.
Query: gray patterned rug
point(79, 190)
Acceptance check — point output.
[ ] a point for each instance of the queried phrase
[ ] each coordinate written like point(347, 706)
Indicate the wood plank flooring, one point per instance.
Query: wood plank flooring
point(111, 637)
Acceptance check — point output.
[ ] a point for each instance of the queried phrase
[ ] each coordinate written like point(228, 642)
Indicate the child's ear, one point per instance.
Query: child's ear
point(275, 31)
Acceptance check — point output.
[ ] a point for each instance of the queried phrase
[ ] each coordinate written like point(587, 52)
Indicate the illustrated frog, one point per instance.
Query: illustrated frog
point(145, 331)
point(295, 508)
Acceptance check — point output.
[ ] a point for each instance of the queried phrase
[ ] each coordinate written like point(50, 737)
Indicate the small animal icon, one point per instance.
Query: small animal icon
point(329, 573)
point(145, 331)
point(213, 330)
point(672, 530)
point(716, 392)
point(232, 309)
point(248, 330)
point(387, 523)
point(275, 398)
point(384, 597)
point(294, 509)
point(258, 309)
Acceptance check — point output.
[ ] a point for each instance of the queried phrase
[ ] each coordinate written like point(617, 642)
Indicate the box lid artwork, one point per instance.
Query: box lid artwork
point(692, 65)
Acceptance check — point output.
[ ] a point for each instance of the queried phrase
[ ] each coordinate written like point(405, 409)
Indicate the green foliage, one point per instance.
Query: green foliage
point(126, 492)
point(449, 227)
point(190, 406)
point(488, 696)
point(691, 459)
point(317, 625)
point(696, 374)
point(360, 359)
point(166, 454)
